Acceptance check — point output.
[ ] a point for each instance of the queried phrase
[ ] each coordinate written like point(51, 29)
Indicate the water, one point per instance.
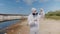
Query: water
point(7, 24)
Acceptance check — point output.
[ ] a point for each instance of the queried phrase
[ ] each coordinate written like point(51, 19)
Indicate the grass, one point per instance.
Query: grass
point(53, 17)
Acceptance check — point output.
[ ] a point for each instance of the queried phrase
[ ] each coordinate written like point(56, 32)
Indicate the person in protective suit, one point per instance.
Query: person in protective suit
point(42, 14)
point(33, 22)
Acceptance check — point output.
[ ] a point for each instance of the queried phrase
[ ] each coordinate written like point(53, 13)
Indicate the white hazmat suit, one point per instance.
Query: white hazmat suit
point(33, 21)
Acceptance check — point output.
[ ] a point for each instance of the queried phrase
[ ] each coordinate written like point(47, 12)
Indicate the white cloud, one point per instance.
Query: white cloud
point(57, 0)
point(43, 0)
point(17, 0)
point(29, 2)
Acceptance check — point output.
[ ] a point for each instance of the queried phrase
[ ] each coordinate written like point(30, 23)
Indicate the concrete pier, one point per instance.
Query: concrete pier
point(11, 16)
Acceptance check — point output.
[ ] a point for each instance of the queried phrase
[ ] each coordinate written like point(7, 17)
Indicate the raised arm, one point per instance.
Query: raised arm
point(42, 13)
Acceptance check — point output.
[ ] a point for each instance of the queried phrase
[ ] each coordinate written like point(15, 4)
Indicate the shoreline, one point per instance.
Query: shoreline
point(47, 26)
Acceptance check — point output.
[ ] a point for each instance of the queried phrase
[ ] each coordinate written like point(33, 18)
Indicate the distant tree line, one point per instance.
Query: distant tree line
point(53, 14)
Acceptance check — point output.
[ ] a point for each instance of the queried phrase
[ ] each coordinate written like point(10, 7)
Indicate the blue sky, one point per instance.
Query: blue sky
point(24, 6)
